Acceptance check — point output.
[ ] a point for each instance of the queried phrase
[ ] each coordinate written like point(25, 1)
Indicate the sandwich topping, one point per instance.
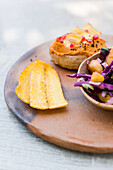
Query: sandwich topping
point(85, 41)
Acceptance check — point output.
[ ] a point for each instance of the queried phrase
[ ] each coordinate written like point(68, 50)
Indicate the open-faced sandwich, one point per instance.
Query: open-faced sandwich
point(71, 49)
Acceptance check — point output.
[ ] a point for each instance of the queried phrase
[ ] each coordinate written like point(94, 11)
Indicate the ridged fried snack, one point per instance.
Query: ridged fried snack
point(39, 86)
point(22, 90)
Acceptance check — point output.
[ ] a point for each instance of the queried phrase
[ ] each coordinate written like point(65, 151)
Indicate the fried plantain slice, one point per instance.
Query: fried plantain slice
point(38, 97)
point(22, 90)
point(45, 88)
point(39, 86)
point(54, 92)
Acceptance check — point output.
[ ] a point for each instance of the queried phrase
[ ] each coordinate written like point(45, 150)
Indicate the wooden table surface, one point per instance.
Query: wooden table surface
point(25, 24)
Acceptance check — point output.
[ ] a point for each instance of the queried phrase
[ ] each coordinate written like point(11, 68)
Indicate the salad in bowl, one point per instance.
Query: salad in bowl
point(95, 76)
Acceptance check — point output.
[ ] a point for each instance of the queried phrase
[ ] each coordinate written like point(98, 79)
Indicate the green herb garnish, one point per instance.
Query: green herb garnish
point(88, 86)
point(106, 95)
point(103, 50)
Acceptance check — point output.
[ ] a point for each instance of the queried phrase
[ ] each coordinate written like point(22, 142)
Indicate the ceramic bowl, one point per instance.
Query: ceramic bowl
point(83, 69)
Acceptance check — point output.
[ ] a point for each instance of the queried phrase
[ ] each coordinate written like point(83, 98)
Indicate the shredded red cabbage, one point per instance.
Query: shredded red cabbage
point(79, 75)
point(93, 88)
point(107, 68)
point(110, 93)
point(103, 86)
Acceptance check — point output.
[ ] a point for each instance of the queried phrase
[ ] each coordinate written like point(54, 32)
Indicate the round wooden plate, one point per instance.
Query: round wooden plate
point(79, 126)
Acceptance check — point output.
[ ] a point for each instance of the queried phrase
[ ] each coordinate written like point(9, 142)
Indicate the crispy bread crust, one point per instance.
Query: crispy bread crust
point(68, 61)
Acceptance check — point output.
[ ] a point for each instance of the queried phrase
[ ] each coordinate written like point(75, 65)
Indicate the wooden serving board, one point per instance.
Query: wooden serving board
point(79, 126)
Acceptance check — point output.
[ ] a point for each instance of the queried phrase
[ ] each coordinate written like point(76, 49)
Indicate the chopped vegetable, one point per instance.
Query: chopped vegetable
point(88, 86)
point(95, 65)
point(103, 99)
point(99, 85)
point(105, 51)
point(79, 75)
point(97, 77)
point(109, 58)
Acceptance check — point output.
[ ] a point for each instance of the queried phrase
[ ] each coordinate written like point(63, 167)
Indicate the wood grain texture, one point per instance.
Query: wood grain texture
point(79, 126)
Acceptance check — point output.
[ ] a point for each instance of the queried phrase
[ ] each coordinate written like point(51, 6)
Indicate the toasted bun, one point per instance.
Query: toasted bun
point(71, 62)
